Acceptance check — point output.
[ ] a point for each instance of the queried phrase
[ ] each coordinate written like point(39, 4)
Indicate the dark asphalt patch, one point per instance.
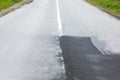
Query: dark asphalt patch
point(84, 62)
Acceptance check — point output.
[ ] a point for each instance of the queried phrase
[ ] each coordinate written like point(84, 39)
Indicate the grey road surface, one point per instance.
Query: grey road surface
point(28, 43)
point(29, 46)
point(83, 20)
point(84, 62)
point(83, 26)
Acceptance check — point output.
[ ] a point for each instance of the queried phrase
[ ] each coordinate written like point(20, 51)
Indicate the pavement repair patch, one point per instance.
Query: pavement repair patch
point(84, 62)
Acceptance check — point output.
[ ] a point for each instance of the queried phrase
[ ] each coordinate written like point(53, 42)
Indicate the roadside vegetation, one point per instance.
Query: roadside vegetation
point(110, 6)
point(7, 3)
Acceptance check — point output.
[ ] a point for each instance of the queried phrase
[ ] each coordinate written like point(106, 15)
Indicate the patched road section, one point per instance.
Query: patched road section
point(84, 62)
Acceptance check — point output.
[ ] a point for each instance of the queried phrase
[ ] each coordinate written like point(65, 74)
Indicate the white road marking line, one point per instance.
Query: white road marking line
point(60, 27)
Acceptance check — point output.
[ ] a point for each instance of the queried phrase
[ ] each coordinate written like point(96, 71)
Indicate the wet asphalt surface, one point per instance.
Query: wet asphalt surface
point(84, 62)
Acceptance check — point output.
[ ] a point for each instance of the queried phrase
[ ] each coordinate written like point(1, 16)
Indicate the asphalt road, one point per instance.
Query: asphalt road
point(84, 20)
point(83, 26)
point(29, 43)
point(83, 61)
point(30, 49)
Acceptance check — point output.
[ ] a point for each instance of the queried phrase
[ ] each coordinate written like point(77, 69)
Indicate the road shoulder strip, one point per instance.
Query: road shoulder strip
point(14, 7)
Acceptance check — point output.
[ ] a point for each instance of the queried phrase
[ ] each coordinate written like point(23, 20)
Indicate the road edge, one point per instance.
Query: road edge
point(14, 7)
point(105, 10)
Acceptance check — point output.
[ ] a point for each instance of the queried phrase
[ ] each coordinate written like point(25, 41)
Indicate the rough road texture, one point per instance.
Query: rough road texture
point(28, 43)
point(83, 20)
point(84, 62)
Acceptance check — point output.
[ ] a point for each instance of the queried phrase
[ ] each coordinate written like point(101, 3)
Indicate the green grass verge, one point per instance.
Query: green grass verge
point(111, 6)
point(7, 3)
